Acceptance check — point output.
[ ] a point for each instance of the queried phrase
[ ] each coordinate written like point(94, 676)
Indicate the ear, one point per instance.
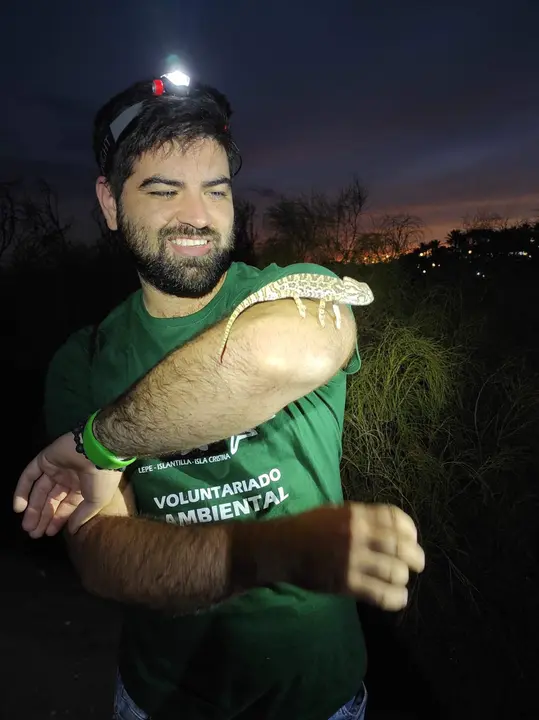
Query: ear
point(107, 202)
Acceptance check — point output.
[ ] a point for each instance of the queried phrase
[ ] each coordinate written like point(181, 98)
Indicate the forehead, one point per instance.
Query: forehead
point(203, 159)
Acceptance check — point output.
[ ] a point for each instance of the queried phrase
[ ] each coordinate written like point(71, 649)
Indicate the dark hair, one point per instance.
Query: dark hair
point(201, 113)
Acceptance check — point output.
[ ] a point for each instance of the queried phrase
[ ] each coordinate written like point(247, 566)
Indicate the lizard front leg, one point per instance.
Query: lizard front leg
point(300, 306)
point(337, 313)
point(322, 313)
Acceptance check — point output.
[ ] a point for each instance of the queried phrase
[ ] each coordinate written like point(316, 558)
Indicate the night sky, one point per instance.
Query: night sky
point(435, 105)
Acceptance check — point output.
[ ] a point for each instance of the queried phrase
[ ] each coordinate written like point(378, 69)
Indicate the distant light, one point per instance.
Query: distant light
point(424, 271)
point(178, 78)
point(433, 264)
point(421, 254)
point(469, 252)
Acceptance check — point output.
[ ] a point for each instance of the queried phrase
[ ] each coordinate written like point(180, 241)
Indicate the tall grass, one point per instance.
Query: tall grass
point(426, 423)
point(396, 422)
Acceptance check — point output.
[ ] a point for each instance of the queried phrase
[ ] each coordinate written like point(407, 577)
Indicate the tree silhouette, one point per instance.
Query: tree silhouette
point(347, 242)
point(299, 228)
point(399, 233)
point(41, 235)
point(245, 231)
point(9, 217)
point(318, 228)
point(484, 220)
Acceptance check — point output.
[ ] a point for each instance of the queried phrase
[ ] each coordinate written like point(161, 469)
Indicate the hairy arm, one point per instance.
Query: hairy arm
point(181, 570)
point(139, 560)
point(187, 400)
point(190, 399)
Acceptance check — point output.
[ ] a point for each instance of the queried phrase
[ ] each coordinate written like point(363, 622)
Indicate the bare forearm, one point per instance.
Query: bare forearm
point(138, 560)
point(175, 569)
point(191, 399)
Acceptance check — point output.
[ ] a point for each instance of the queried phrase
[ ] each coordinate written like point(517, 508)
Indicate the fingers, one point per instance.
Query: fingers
point(54, 500)
point(395, 545)
point(383, 595)
point(24, 485)
point(45, 498)
point(63, 513)
point(384, 549)
point(380, 580)
point(389, 530)
point(36, 502)
point(84, 512)
point(383, 567)
point(393, 518)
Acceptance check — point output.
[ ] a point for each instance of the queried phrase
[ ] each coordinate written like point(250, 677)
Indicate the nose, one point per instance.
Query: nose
point(193, 210)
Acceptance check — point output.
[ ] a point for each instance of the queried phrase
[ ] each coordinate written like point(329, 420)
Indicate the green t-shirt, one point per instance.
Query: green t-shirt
point(275, 652)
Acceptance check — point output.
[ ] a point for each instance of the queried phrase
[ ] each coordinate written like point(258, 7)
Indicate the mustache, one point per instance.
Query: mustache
point(188, 231)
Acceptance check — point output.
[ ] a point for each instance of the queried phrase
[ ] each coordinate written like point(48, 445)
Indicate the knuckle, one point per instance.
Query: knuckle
point(389, 514)
point(360, 525)
point(385, 599)
point(393, 600)
point(387, 543)
point(399, 573)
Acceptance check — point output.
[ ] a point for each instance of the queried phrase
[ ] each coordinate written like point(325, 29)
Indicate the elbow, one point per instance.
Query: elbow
point(339, 346)
point(307, 369)
point(307, 353)
point(349, 342)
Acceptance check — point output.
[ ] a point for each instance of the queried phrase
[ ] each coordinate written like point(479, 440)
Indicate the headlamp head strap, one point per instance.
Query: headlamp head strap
point(165, 85)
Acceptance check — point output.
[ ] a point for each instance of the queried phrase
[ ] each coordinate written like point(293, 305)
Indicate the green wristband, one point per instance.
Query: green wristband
point(97, 453)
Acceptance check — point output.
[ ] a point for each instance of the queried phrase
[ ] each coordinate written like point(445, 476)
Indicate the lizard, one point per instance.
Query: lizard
point(326, 288)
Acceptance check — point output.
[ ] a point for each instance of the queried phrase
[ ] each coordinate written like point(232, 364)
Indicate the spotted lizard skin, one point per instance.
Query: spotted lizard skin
point(325, 288)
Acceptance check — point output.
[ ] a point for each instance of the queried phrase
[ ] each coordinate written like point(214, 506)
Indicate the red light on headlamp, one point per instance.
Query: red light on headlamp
point(158, 87)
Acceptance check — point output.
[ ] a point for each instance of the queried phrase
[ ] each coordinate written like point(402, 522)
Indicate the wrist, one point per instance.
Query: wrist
point(101, 431)
point(95, 447)
point(112, 429)
point(259, 554)
point(77, 433)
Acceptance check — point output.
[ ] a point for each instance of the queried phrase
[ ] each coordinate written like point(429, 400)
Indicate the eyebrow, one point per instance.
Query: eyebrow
point(161, 180)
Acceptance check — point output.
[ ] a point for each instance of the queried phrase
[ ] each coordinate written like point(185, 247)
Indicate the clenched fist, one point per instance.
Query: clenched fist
point(355, 549)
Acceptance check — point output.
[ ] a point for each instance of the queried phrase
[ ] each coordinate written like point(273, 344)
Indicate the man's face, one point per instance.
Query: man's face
point(176, 217)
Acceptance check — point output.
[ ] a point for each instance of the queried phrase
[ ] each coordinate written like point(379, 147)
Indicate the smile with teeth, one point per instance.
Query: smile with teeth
point(189, 242)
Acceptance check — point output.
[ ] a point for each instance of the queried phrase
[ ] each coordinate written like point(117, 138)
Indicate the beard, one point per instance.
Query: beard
point(189, 277)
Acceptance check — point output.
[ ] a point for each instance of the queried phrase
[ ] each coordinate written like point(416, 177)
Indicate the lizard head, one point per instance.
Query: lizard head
point(358, 293)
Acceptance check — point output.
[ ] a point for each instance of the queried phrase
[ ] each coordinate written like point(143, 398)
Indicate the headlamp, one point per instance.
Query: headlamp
point(173, 83)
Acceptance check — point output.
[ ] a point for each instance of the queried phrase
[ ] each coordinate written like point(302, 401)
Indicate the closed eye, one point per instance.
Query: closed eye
point(173, 193)
point(163, 193)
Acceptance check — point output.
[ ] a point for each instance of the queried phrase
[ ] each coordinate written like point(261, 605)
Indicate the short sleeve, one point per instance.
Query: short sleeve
point(275, 272)
point(68, 394)
point(354, 364)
